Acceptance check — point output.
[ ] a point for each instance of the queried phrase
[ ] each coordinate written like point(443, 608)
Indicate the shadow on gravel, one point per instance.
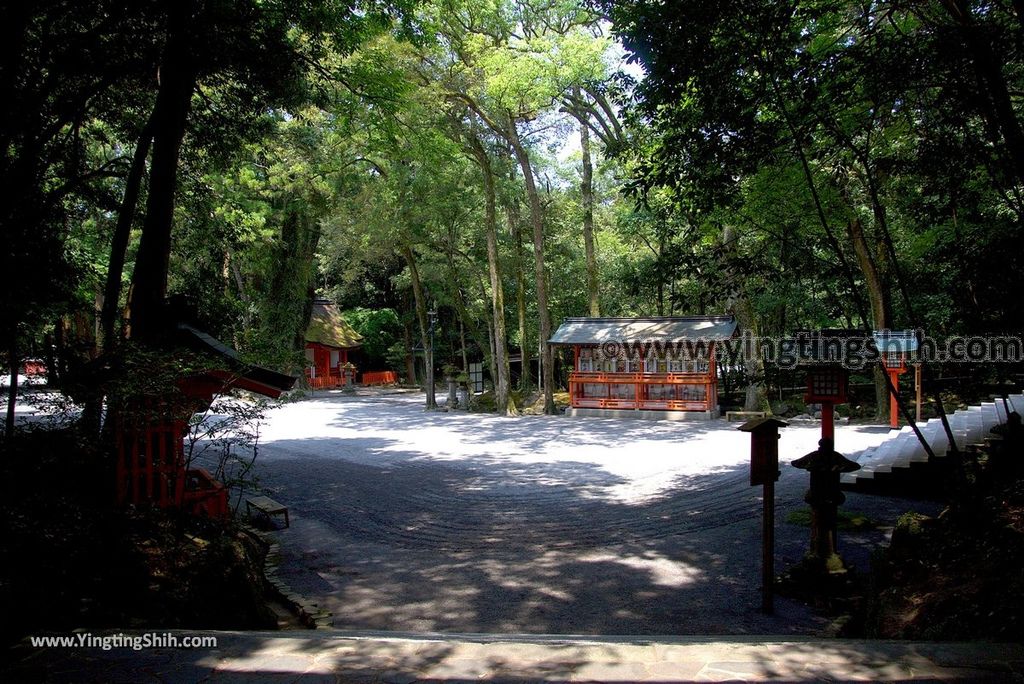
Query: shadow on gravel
point(389, 538)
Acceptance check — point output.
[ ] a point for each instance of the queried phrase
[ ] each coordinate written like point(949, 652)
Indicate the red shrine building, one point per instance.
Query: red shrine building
point(329, 339)
point(663, 367)
point(152, 467)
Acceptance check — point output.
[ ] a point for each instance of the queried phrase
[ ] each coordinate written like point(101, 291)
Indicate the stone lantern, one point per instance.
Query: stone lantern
point(824, 497)
point(348, 376)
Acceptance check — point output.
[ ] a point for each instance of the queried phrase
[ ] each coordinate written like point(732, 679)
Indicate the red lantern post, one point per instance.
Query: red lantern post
point(893, 347)
point(827, 385)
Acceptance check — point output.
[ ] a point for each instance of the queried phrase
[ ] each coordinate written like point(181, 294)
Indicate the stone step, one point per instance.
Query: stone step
point(331, 656)
point(911, 451)
point(971, 425)
point(891, 458)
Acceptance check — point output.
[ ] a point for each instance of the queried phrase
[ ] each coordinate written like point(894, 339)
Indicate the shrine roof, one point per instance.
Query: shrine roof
point(327, 327)
point(654, 329)
point(238, 373)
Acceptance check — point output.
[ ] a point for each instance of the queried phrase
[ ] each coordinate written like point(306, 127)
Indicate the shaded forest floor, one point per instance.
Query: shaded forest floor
point(954, 577)
point(70, 559)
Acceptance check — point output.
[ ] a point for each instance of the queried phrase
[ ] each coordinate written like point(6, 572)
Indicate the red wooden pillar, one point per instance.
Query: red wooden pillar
point(828, 423)
point(895, 368)
point(826, 385)
point(894, 409)
point(711, 390)
point(573, 390)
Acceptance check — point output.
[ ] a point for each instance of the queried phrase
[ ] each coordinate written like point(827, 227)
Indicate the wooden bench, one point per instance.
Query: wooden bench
point(266, 506)
point(743, 415)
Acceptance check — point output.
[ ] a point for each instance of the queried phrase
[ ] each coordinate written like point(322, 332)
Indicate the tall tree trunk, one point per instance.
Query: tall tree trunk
point(756, 396)
point(410, 357)
point(587, 197)
point(170, 115)
point(13, 363)
point(502, 397)
point(878, 298)
point(235, 275)
point(421, 317)
point(462, 341)
point(524, 348)
point(288, 303)
point(537, 221)
point(122, 234)
point(492, 366)
point(889, 255)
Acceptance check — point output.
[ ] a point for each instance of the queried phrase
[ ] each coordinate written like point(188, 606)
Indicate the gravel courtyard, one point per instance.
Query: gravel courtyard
point(455, 522)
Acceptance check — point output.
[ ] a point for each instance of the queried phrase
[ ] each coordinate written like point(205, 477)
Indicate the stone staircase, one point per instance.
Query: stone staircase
point(903, 454)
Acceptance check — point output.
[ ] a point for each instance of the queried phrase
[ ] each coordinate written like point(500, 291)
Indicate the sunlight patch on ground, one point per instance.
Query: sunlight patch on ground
point(662, 571)
point(643, 460)
point(447, 603)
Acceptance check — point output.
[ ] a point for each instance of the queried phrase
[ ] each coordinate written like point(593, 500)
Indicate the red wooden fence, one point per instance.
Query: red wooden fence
point(325, 382)
point(661, 391)
point(150, 464)
point(380, 378)
point(151, 470)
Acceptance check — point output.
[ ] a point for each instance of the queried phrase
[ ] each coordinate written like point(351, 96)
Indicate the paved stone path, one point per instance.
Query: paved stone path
point(256, 658)
point(406, 520)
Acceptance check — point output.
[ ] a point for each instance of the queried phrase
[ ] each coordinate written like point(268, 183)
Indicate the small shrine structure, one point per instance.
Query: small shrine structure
point(151, 467)
point(659, 367)
point(329, 339)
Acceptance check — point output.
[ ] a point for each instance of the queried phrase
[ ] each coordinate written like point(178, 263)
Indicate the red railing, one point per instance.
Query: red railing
point(332, 379)
point(204, 495)
point(150, 464)
point(151, 470)
point(325, 382)
point(650, 391)
point(380, 378)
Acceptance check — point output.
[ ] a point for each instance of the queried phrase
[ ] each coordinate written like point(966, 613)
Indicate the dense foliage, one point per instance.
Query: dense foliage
point(508, 163)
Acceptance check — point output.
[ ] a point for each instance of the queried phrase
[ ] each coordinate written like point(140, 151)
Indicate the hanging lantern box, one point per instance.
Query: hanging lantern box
point(827, 384)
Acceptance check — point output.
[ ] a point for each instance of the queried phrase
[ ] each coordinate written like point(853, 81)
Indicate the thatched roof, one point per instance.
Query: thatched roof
point(327, 327)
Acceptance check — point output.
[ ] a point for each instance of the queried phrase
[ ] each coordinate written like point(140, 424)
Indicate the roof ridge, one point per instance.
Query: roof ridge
point(650, 318)
point(587, 330)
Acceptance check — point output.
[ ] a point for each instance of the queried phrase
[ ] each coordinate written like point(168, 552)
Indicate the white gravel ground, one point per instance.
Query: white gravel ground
point(407, 520)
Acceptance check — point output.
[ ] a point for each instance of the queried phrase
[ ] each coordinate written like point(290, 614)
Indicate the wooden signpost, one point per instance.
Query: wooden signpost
point(764, 471)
